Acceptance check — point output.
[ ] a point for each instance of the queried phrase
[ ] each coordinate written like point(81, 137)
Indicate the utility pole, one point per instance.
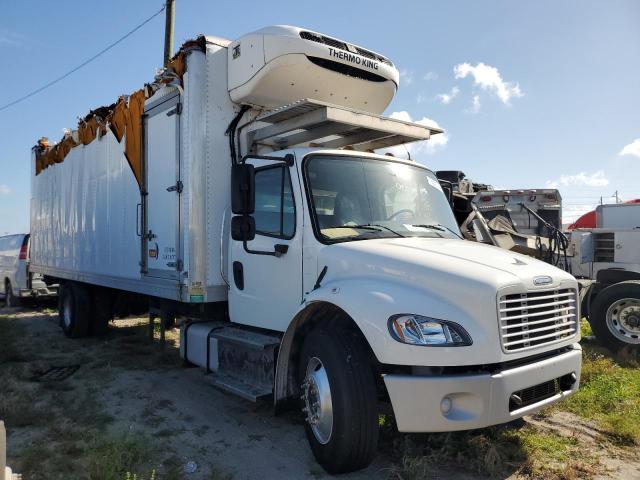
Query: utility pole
point(168, 31)
point(617, 200)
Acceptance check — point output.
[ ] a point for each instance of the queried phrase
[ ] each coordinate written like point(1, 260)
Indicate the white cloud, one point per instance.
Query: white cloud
point(632, 149)
point(11, 39)
point(596, 179)
point(421, 98)
point(427, 147)
point(475, 105)
point(406, 76)
point(489, 78)
point(4, 189)
point(430, 76)
point(447, 98)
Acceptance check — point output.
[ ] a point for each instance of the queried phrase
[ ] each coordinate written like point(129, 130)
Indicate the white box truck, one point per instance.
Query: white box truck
point(606, 259)
point(240, 191)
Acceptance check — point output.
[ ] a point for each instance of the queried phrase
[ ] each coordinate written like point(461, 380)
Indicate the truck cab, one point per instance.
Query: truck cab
point(459, 335)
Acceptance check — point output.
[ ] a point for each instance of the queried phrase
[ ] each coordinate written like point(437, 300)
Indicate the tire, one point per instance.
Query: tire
point(73, 310)
point(10, 300)
point(615, 315)
point(351, 441)
point(101, 311)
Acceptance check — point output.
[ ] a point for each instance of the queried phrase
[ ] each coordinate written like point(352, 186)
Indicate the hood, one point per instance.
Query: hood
point(428, 259)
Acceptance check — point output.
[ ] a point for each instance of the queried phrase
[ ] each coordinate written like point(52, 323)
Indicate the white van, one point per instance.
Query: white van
point(16, 281)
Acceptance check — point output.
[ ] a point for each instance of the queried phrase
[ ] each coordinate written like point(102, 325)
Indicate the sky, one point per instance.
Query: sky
point(531, 95)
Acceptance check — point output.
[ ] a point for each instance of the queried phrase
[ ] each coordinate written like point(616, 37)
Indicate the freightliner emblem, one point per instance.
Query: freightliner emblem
point(542, 280)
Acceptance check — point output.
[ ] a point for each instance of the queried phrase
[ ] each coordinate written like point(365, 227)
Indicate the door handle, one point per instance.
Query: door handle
point(138, 225)
point(280, 249)
point(175, 188)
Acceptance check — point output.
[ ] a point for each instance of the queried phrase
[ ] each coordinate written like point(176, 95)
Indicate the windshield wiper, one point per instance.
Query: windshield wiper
point(439, 227)
point(372, 226)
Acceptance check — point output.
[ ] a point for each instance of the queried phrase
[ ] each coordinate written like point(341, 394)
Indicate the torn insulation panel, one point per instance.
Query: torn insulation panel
point(123, 118)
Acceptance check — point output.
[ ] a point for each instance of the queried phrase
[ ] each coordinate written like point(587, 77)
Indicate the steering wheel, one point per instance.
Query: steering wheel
point(404, 210)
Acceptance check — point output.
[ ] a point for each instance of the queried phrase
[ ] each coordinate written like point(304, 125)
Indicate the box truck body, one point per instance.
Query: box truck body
point(307, 267)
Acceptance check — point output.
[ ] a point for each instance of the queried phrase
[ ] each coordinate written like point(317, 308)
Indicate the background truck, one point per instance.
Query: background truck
point(238, 192)
point(17, 281)
point(606, 259)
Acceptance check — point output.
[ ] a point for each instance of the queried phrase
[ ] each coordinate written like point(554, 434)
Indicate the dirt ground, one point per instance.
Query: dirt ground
point(133, 403)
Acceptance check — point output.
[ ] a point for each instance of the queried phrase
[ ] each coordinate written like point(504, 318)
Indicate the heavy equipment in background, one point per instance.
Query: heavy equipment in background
point(238, 193)
point(527, 221)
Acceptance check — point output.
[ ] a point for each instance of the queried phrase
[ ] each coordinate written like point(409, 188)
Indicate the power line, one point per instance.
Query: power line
point(104, 50)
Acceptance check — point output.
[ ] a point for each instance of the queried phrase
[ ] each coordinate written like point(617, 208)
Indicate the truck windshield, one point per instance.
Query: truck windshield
point(357, 198)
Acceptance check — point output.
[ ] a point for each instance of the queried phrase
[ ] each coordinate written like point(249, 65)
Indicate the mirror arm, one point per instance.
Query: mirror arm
point(288, 158)
point(279, 250)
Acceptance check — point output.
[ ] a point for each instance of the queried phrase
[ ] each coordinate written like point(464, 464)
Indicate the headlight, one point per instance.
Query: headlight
point(419, 330)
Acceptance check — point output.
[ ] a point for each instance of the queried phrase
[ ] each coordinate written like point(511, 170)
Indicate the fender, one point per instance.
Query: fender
point(370, 303)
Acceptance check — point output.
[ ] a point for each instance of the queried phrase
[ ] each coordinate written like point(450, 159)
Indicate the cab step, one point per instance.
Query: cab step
point(240, 361)
point(248, 391)
point(246, 362)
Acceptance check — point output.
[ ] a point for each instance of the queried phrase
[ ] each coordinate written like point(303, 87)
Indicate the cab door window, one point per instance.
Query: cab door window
point(274, 214)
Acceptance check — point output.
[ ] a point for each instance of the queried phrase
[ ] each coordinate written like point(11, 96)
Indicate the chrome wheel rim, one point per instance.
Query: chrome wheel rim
point(66, 311)
point(316, 394)
point(623, 320)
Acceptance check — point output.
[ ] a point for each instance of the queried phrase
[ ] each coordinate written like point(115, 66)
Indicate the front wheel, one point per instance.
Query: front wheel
point(615, 315)
point(339, 400)
point(10, 299)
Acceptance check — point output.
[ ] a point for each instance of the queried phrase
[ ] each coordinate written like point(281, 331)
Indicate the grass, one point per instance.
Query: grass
point(609, 393)
point(66, 432)
point(119, 456)
point(10, 333)
point(493, 452)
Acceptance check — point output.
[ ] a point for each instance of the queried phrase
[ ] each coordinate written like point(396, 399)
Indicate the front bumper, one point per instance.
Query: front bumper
point(475, 400)
point(40, 292)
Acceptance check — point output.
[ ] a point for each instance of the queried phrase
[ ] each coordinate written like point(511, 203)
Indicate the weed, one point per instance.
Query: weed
point(610, 394)
point(495, 451)
point(114, 457)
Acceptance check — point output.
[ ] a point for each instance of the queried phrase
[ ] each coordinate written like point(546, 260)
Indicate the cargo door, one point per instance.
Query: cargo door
point(161, 252)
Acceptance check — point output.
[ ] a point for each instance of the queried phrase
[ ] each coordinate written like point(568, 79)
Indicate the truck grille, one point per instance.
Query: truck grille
point(534, 319)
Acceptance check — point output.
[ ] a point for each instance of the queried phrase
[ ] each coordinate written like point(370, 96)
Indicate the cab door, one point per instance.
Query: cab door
point(265, 288)
point(161, 252)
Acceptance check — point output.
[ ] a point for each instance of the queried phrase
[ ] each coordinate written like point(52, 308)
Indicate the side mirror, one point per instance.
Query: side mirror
point(447, 189)
point(243, 191)
point(243, 228)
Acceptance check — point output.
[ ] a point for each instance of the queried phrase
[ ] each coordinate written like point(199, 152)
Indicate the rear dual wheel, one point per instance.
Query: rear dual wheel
point(73, 310)
point(339, 400)
point(83, 310)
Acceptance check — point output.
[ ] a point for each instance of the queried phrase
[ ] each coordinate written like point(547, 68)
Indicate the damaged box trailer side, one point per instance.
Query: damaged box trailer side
point(92, 222)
